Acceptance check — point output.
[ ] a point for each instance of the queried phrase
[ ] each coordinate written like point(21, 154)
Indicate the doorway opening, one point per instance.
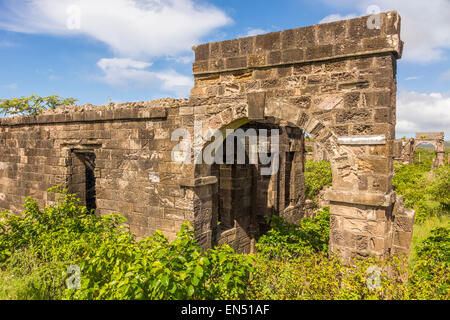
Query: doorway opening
point(82, 181)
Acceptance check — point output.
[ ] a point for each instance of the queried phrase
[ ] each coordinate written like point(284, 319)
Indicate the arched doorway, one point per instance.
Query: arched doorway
point(342, 94)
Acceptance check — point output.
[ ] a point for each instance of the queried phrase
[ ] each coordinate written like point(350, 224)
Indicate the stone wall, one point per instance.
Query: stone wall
point(404, 150)
point(134, 173)
point(316, 153)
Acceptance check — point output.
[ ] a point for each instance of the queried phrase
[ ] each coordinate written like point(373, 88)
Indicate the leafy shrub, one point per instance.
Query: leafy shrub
point(424, 157)
point(317, 175)
point(155, 268)
point(430, 277)
point(440, 186)
point(113, 264)
point(428, 192)
point(37, 247)
point(309, 274)
point(286, 240)
point(317, 276)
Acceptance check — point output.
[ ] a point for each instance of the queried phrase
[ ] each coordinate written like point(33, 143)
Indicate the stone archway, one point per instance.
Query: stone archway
point(405, 149)
point(436, 139)
point(342, 92)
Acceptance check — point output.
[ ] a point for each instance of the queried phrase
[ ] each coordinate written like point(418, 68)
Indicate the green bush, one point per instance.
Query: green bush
point(310, 274)
point(286, 240)
point(424, 157)
point(319, 277)
point(37, 247)
point(155, 268)
point(317, 175)
point(428, 192)
point(430, 276)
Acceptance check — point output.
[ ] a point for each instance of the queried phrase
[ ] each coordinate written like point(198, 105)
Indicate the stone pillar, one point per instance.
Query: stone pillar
point(361, 203)
point(440, 159)
point(202, 214)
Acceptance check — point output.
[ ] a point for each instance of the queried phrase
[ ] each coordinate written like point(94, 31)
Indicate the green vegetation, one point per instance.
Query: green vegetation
point(423, 231)
point(37, 248)
point(292, 261)
point(32, 105)
point(424, 190)
point(291, 240)
point(317, 175)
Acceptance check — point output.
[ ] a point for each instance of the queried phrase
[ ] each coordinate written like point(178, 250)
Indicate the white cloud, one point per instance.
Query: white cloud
point(120, 64)
point(131, 28)
point(124, 72)
point(425, 24)
point(445, 75)
point(412, 78)
point(421, 112)
point(337, 17)
point(182, 59)
point(254, 32)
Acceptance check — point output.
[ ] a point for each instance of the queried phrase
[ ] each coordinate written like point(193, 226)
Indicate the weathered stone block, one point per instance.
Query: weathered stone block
point(256, 105)
point(236, 62)
point(270, 41)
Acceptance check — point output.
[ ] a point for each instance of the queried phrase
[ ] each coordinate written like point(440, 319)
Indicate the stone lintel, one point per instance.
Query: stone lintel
point(363, 140)
point(364, 198)
point(197, 182)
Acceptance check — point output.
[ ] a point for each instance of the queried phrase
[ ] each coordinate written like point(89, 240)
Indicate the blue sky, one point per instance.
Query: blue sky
point(133, 50)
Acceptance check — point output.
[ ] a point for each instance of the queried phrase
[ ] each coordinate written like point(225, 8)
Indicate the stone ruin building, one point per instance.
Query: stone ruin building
point(315, 151)
point(335, 81)
point(404, 149)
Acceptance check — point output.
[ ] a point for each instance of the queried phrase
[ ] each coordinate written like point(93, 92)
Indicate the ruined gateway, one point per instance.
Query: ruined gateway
point(404, 149)
point(336, 81)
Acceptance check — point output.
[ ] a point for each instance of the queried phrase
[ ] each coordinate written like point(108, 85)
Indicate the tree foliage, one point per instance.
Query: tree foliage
point(32, 105)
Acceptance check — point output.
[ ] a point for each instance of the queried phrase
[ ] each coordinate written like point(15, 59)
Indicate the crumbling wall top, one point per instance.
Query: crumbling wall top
point(88, 112)
point(430, 135)
point(339, 39)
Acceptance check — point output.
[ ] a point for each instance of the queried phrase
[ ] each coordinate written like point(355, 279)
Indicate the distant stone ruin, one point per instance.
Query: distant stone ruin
point(316, 153)
point(335, 81)
point(405, 148)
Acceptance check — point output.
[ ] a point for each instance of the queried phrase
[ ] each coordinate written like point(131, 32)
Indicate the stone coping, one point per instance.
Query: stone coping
point(341, 39)
point(88, 116)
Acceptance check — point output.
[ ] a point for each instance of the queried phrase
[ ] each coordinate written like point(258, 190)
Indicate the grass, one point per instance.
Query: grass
point(422, 231)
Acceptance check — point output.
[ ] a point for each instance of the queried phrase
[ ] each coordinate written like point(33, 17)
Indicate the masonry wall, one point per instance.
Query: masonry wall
point(133, 168)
